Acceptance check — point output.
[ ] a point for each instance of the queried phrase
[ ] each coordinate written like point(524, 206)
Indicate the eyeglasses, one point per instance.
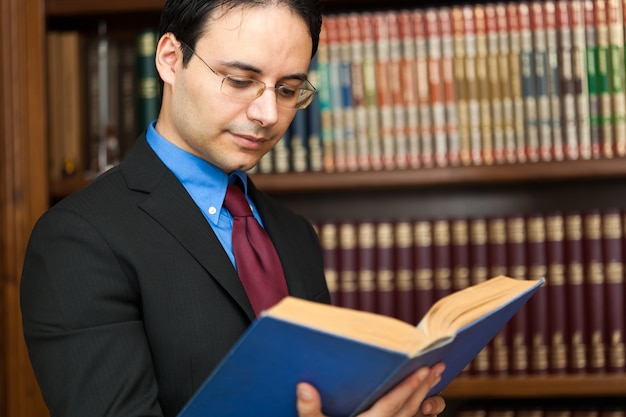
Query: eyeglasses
point(249, 89)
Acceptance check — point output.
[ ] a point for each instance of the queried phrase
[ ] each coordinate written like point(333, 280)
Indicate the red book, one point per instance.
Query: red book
point(366, 280)
point(348, 264)
point(424, 294)
point(494, 78)
point(329, 237)
point(576, 311)
point(436, 87)
point(385, 269)
point(556, 292)
point(594, 291)
point(519, 340)
point(515, 77)
point(538, 313)
point(405, 310)
point(453, 156)
point(399, 130)
point(612, 237)
point(384, 89)
point(498, 265)
point(423, 91)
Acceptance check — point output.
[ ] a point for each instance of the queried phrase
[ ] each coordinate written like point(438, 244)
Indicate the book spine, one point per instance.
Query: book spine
point(403, 238)
point(581, 90)
point(410, 94)
point(506, 84)
point(346, 84)
point(612, 236)
point(594, 290)
point(298, 142)
point(498, 265)
point(603, 63)
point(366, 279)
point(537, 308)
point(494, 77)
point(329, 238)
point(399, 121)
point(357, 73)
point(424, 277)
point(436, 87)
point(516, 87)
point(348, 264)
point(442, 261)
point(569, 138)
point(473, 101)
point(554, 81)
point(458, 30)
point(593, 78)
point(315, 149)
point(615, 22)
point(385, 277)
point(460, 256)
point(423, 90)
point(482, 82)
point(148, 84)
point(518, 257)
point(336, 93)
point(371, 95)
point(576, 311)
point(383, 89)
point(449, 87)
point(556, 287)
point(530, 76)
point(324, 93)
point(479, 272)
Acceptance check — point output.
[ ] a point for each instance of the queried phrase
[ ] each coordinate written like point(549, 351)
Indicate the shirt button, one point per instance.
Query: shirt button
point(212, 210)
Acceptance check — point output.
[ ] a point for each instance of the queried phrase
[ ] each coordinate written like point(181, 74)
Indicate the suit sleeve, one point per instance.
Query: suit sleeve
point(83, 324)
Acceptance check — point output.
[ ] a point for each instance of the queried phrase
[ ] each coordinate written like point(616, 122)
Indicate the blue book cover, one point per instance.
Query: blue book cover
point(352, 357)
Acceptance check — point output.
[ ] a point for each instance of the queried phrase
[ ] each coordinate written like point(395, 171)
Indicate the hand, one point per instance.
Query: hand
point(405, 400)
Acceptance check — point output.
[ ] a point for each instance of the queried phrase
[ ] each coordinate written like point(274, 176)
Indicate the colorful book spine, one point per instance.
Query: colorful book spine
point(602, 68)
point(366, 279)
point(325, 103)
point(423, 91)
point(593, 78)
point(569, 139)
point(460, 82)
point(315, 149)
point(615, 22)
point(530, 76)
point(436, 87)
point(506, 84)
point(554, 82)
point(556, 292)
point(383, 89)
point(482, 83)
point(473, 101)
point(336, 93)
point(298, 142)
point(449, 87)
point(516, 87)
point(494, 79)
point(345, 83)
point(399, 149)
point(409, 82)
point(582, 149)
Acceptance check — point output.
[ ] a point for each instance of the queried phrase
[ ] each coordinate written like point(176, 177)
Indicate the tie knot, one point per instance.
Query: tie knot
point(235, 201)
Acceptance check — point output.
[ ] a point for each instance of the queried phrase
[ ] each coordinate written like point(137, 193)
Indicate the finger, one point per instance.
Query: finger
point(432, 406)
point(416, 400)
point(309, 403)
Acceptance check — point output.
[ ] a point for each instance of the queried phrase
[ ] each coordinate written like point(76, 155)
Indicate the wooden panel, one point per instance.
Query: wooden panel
point(23, 191)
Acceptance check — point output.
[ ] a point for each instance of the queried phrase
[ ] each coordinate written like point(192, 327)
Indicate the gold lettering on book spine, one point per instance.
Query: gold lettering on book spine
point(384, 238)
point(347, 237)
point(367, 240)
point(329, 244)
point(423, 238)
point(404, 240)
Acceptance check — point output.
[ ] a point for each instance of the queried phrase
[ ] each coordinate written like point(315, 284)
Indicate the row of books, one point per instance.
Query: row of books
point(542, 408)
point(477, 84)
point(576, 324)
point(102, 91)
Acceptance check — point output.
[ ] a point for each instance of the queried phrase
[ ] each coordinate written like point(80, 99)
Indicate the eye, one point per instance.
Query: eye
point(287, 91)
point(240, 82)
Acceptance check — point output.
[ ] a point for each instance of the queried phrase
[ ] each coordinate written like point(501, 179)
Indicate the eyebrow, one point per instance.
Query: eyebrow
point(250, 68)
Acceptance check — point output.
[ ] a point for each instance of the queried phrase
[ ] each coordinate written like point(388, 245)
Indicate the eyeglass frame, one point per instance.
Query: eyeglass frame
point(260, 92)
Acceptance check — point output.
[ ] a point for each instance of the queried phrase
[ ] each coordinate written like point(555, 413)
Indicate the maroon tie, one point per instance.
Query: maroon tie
point(257, 262)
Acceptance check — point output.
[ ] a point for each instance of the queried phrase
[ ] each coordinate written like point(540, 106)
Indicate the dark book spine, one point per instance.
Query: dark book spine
point(442, 262)
point(348, 285)
point(574, 272)
point(460, 255)
point(403, 230)
point(538, 312)
point(385, 279)
point(329, 239)
point(424, 295)
point(367, 265)
point(479, 272)
point(496, 244)
point(612, 236)
point(517, 257)
point(555, 279)
point(594, 290)
point(148, 84)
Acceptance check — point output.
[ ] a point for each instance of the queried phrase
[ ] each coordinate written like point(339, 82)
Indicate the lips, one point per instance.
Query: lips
point(250, 142)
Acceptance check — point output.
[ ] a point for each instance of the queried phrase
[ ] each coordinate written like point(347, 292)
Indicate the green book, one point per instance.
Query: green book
point(148, 82)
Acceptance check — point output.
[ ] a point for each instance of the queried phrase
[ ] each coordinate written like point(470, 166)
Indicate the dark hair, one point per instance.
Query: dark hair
point(186, 19)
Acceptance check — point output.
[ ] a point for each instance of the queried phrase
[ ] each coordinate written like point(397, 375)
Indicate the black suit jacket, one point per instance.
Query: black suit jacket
point(128, 299)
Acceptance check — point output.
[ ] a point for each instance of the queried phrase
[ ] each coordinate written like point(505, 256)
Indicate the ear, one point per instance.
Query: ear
point(169, 57)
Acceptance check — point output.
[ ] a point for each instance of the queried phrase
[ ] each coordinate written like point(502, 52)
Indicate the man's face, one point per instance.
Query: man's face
point(270, 44)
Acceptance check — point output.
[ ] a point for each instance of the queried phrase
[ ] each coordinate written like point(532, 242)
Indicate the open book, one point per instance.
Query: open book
point(352, 357)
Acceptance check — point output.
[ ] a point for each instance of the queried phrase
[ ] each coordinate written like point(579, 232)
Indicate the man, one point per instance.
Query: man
point(130, 296)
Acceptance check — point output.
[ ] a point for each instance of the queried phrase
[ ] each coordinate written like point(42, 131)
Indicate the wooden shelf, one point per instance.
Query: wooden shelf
point(416, 178)
point(79, 7)
point(605, 385)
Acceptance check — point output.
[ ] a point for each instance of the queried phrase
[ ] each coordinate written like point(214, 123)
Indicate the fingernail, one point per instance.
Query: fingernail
point(304, 393)
point(423, 373)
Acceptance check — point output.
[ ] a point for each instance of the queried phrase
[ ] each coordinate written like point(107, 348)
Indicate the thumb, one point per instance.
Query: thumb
point(309, 403)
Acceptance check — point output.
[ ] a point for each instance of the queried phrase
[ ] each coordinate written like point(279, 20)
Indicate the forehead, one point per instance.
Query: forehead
point(258, 35)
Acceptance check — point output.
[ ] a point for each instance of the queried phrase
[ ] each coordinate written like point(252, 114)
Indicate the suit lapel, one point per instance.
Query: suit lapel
point(170, 205)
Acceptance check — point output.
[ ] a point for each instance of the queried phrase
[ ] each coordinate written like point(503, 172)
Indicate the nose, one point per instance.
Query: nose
point(264, 109)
